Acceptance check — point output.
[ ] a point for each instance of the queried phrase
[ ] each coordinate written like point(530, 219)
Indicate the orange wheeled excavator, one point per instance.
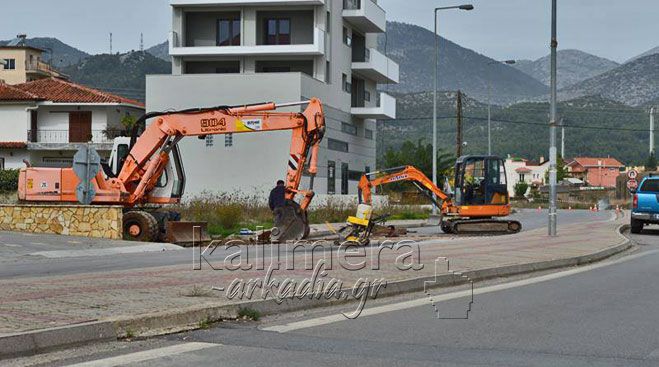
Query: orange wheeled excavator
point(146, 172)
point(481, 195)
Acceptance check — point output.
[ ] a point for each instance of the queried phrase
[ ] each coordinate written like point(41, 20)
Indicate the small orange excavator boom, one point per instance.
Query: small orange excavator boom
point(134, 182)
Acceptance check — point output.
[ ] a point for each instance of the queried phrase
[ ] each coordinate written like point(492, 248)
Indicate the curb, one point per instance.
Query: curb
point(167, 322)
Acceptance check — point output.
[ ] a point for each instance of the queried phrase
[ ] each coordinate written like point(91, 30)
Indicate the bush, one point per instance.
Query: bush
point(520, 189)
point(8, 180)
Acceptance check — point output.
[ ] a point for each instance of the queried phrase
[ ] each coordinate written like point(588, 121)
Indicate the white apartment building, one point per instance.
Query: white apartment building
point(227, 52)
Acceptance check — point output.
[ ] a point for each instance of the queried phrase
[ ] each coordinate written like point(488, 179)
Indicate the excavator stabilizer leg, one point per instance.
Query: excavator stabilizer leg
point(290, 223)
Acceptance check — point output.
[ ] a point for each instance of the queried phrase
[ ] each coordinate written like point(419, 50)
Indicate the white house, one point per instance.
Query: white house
point(523, 170)
point(44, 122)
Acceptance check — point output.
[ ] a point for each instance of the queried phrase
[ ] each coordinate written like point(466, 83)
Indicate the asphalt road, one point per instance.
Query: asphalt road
point(31, 255)
point(601, 315)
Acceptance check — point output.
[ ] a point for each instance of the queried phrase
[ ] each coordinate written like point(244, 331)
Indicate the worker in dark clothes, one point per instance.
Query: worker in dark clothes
point(277, 196)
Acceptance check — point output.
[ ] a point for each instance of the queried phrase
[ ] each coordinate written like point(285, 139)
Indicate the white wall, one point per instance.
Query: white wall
point(15, 121)
point(14, 157)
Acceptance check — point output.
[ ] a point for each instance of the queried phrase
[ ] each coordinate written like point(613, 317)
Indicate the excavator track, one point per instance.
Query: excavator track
point(482, 226)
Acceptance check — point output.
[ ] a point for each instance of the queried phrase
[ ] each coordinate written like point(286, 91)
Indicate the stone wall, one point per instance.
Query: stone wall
point(75, 220)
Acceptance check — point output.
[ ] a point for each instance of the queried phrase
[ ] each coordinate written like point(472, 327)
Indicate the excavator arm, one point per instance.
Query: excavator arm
point(150, 153)
point(371, 180)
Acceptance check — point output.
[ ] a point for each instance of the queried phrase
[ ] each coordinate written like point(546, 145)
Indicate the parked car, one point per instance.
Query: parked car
point(645, 206)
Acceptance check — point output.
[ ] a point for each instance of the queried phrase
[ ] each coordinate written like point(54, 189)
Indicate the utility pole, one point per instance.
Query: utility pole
point(552, 125)
point(458, 143)
point(141, 42)
point(110, 43)
point(562, 139)
point(651, 130)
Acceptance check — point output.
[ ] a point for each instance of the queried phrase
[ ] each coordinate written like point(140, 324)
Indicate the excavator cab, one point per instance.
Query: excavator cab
point(481, 181)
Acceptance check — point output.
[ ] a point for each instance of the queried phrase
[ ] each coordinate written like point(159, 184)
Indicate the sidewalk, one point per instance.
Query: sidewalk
point(141, 297)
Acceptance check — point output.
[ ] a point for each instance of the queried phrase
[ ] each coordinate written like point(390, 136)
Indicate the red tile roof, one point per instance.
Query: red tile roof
point(12, 145)
point(523, 170)
point(10, 93)
point(61, 91)
point(596, 162)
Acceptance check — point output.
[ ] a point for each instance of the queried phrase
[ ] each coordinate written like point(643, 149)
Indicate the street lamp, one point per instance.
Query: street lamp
point(489, 104)
point(434, 95)
point(552, 125)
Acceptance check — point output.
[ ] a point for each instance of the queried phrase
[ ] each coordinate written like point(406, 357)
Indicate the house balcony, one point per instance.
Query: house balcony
point(384, 109)
point(46, 139)
point(211, 3)
point(376, 66)
point(308, 49)
point(365, 15)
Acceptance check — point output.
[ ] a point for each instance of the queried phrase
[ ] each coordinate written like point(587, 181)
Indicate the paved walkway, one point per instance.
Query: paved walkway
point(39, 302)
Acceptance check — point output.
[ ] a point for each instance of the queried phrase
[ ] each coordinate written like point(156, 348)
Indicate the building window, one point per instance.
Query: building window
point(228, 32)
point(344, 178)
point(331, 177)
point(228, 140)
point(338, 145)
point(328, 24)
point(349, 128)
point(346, 37)
point(2, 163)
point(278, 31)
point(368, 134)
point(10, 64)
point(209, 141)
point(328, 77)
point(367, 96)
point(367, 169)
point(347, 86)
point(521, 177)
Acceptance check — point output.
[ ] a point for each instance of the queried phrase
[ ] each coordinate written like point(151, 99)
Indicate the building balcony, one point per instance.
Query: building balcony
point(376, 66)
point(46, 139)
point(365, 15)
point(310, 49)
point(211, 3)
point(384, 109)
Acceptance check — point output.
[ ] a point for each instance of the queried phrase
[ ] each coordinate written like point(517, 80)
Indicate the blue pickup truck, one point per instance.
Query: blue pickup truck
point(645, 204)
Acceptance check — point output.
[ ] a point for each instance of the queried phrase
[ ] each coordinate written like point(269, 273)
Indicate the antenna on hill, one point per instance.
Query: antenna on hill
point(141, 42)
point(110, 43)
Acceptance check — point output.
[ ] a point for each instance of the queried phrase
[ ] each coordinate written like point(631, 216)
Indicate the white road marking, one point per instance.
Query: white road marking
point(109, 251)
point(324, 320)
point(147, 355)
point(11, 245)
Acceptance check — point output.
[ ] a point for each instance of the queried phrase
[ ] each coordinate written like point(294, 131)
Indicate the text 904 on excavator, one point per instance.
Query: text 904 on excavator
point(146, 172)
point(480, 196)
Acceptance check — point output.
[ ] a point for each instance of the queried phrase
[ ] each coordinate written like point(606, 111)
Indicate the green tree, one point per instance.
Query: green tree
point(520, 189)
point(419, 155)
point(651, 163)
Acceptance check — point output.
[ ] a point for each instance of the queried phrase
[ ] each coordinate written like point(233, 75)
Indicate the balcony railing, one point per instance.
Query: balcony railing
point(352, 4)
point(376, 66)
point(365, 15)
point(65, 136)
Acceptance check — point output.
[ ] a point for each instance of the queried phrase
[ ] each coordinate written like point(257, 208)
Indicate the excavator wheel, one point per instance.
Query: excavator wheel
point(446, 227)
point(290, 223)
point(139, 225)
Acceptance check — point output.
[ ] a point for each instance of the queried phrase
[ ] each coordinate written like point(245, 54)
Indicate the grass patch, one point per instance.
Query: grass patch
point(249, 313)
point(204, 324)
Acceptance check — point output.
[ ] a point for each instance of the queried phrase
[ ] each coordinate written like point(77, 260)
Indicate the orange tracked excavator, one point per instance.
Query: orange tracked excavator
point(146, 172)
point(480, 195)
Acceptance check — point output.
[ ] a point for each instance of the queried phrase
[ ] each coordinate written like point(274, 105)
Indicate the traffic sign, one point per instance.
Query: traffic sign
point(632, 185)
point(632, 174)
point(86, 164)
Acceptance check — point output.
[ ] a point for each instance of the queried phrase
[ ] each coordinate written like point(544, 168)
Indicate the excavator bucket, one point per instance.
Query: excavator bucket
point(290, 223)
point(182, 232)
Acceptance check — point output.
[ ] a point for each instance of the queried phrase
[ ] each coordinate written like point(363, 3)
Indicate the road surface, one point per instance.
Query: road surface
point(31, 255)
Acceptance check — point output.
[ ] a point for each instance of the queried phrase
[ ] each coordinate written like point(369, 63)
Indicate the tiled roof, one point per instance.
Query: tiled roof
point(12, 145)
point(11, 93)
point(597, 162)
point(523, 170)
point(61, 91)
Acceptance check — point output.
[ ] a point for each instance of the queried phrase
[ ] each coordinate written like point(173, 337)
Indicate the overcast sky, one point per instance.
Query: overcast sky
point(502, 29)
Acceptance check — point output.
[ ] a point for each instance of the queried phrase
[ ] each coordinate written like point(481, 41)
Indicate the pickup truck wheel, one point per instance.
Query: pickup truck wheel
point(139, 225)
point(636, 226)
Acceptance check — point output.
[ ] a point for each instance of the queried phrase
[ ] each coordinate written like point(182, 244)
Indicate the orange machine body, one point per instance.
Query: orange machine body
point(149, 156)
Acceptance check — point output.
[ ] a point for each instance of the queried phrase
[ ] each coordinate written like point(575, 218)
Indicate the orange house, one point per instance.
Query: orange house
point(600, 172)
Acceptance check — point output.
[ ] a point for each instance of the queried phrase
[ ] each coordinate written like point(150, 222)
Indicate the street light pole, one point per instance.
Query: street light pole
point(434, 97)
point(552, 126)
point(489, 103)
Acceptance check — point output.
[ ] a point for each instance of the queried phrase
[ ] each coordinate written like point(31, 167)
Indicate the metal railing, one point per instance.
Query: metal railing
point(352, 4)
point(65, 136)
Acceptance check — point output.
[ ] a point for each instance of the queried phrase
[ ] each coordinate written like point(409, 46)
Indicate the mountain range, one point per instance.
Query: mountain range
point(573, 66)
point(58, 53)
